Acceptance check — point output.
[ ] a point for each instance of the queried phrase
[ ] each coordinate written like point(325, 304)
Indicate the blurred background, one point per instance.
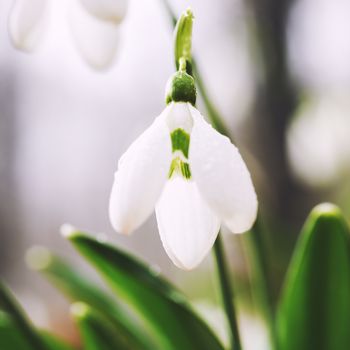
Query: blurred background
point(278, 71)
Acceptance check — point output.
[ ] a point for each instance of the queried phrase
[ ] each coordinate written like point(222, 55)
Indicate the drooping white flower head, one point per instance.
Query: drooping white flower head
point(192, 175)
point(95, 26)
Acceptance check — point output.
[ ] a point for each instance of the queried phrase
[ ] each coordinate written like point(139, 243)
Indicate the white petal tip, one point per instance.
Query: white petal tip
point(120, 225)
point(26, 23)
point(21, 45)
point(38, 258)
point(240, 231)
point(123, 229)
point(97, 40)
point(101, 66)
point(126, 231)
point(68, 230)
point(187, 226)
point(185, 264)
point(186, 267)
point(243, 224)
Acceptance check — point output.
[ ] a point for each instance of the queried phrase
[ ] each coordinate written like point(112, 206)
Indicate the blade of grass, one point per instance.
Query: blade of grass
point(9, 305)
point(166, 311)
point(314, 310)
point(76, 287)
point(97, 332)
point(12, 338)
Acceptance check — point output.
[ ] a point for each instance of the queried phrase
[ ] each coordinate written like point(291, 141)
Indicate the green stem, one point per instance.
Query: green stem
point(254, 239)
point(260, 278)
point(257, 254)
point(213, 113)
point(227, 294)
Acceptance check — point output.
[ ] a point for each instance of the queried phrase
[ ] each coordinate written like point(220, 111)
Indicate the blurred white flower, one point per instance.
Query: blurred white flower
point(193, 176)
point(95, 26)
point(318, 44)
point(318, 139)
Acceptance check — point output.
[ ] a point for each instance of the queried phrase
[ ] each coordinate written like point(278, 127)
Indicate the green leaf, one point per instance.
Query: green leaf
point(10, 306)
point(314, 312)
point(183, 40)
point(97, 332)
point(53, 342)
point(173, 322)
point(11, 337)
point(76, 287)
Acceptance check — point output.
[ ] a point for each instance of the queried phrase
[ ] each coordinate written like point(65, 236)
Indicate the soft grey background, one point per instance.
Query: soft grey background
point(63, 126)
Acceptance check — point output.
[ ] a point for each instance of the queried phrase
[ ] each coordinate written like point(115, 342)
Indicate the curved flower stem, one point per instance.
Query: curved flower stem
point(227, 294)
point(257, 256)
point(214, 115)
point(259, 277)
point(258, 261)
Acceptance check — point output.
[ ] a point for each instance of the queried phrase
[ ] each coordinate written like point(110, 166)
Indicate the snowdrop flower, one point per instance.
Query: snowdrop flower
point(192, 175)
point(95, 26)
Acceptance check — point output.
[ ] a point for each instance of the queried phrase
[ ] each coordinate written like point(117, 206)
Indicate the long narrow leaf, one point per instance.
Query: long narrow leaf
point(172, 321)
point(54, 343)
point(77, 287)
point(97, 332)
point(314, 312)
point(12, 338)
point(9, 305)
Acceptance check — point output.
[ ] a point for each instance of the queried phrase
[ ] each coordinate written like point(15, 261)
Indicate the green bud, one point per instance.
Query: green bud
point(181, 88)
point(183, 40)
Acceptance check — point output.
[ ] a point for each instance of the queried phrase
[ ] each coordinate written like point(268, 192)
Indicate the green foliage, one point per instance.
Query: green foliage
point(16, 331)
point(170, 319)
point(78, 288)
point(18, 319)
point(314, 312)
point(103, 321)
point(97, 332)
point(53, 342)
point(10, 336)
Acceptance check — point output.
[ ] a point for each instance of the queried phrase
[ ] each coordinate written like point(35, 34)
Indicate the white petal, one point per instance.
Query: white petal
point(187, 226)
point(179, 117)
point(26, 23)
point(142, 173)
point(96, 40)
point(107, 10)
point(222, 176)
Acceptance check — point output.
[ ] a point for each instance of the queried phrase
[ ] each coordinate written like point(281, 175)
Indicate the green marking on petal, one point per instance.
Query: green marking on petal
point(173, 167)
point(180, 141)
point(179, 167)
point(185, 170)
